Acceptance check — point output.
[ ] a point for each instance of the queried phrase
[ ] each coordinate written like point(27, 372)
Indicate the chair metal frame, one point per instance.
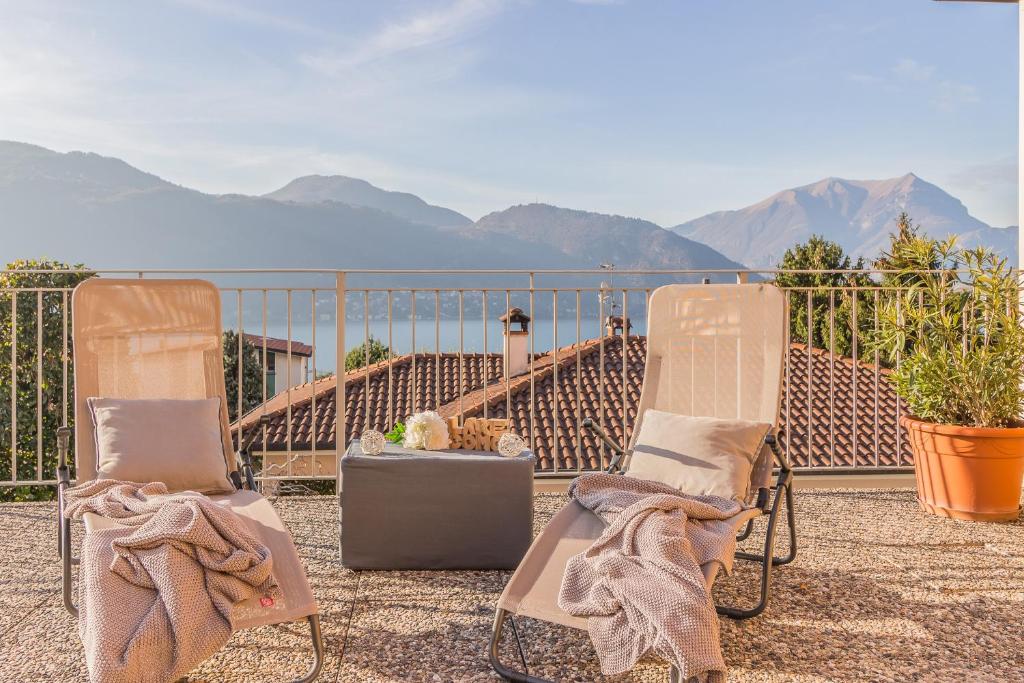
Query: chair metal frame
point(243, 468)
point(770, 506)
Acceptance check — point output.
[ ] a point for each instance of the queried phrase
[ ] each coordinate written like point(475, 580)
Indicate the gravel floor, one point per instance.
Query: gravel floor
point(879, 592)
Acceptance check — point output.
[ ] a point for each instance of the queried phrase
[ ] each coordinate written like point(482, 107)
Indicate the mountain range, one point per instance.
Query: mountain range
point(857, 214)
point(87, 208)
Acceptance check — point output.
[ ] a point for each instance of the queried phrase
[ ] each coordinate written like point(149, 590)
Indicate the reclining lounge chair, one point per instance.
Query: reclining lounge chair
point(714, 351)
point(137, 339)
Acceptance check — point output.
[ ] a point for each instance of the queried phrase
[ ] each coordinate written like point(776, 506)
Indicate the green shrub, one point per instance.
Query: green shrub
point(374, 348)
point(831, 299)
point(38, 376)
point(956, 331)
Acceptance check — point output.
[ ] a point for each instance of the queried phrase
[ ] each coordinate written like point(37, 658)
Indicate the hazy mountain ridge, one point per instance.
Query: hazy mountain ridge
point(101, 211)
point(316, 189)
point(858, 214)
point(599, 238)
point(86, 171)
point(83, 207)
point(98, 210)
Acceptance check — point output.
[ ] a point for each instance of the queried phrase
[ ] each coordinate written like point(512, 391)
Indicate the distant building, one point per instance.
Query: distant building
point(283, 370)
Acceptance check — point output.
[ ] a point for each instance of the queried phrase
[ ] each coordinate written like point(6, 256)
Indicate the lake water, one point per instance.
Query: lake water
point(445, 335)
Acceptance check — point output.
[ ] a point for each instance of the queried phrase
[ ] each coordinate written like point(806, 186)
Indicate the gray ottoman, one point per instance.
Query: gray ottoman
point(409, 509)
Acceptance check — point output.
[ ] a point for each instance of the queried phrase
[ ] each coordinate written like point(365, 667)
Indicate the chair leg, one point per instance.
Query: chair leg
point(791, 523)
point(318, 650)
point(66, 559)
point(746, 531)
point(767, 559)
point(509, 674)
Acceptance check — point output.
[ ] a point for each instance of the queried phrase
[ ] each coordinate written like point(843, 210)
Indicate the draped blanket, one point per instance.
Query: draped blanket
point(156, 591)
point(640, 584)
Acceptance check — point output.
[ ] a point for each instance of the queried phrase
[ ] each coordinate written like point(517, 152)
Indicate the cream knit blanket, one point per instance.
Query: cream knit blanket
point(640, 584)
point(156, 592)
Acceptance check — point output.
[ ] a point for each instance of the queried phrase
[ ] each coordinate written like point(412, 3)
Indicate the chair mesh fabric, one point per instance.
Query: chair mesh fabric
point(136, 339)
point(715, 351)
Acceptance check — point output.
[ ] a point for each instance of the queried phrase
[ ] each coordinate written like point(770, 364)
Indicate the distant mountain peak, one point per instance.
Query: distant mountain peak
point(316, 189)
point(857, 214)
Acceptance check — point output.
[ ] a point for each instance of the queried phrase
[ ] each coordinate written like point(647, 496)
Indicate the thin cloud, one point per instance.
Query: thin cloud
point(952, 95)
point(912, 70)
point(945, 95)
point(421, 31)
point(244, 13)
point(864, 78)
point(985, 176)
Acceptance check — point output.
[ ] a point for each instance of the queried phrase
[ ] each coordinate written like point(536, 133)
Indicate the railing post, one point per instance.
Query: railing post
point(742, 277)
point(340, 438)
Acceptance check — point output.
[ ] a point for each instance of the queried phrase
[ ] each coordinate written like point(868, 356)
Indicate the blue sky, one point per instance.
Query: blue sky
point(663, 110)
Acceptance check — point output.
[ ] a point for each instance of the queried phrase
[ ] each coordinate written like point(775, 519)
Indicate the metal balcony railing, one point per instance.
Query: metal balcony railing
point(442, 348)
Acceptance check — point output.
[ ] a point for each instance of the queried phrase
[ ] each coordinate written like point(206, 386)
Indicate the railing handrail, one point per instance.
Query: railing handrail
point(470, 271)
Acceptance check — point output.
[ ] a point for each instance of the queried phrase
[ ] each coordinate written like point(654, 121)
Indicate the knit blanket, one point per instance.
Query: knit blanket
point(156, 592)
point(640, 584)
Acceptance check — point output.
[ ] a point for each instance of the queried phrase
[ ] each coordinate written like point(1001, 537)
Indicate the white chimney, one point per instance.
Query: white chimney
point(516, 349)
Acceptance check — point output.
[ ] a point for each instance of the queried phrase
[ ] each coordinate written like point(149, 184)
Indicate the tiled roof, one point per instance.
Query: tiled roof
point(384, 392)
point(556, 412)
point(280, 345)
point(551, 388)
point(853, 415)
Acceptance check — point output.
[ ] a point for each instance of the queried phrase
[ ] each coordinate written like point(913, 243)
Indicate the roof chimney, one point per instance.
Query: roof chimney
point(613, 325)
point(516, 355)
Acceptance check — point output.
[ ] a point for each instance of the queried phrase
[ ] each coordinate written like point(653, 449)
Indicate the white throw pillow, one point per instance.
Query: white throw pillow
point(177, 442)
point(697, 455)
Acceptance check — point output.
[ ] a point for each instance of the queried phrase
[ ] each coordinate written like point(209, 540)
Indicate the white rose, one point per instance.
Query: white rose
point(426, 431)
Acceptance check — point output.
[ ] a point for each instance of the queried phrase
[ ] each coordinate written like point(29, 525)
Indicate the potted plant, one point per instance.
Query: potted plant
point(952, 329)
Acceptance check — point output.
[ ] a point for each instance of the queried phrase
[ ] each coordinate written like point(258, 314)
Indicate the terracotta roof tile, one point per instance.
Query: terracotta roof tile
point(280, 345)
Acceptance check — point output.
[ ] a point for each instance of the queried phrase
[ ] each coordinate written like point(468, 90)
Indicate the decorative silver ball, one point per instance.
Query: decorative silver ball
point(372, 442)
point(511, 445)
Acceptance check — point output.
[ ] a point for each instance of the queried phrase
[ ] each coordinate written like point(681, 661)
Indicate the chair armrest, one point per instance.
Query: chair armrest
point(245, 466)
point(244, 454)
point(63, 469)
point(780, 457)
point(63, 482)
point(589, 424)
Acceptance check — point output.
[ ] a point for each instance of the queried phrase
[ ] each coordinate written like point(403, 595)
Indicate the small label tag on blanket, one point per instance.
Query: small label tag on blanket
point(266, 601)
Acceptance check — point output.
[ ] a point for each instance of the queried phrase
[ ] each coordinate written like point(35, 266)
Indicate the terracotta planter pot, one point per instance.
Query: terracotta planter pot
point(967, 472)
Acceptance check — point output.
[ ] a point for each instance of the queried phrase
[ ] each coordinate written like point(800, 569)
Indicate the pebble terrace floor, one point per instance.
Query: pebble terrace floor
point(879, 592)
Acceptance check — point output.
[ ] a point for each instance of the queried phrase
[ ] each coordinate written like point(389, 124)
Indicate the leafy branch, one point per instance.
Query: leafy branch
point(956, 332)
point(397, 433)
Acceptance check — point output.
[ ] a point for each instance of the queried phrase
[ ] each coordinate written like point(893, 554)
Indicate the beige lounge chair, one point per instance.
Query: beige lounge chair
point(712, 350)
point(138, 339)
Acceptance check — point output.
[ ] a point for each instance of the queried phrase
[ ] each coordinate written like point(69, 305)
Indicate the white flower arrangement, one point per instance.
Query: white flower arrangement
point(426, 431)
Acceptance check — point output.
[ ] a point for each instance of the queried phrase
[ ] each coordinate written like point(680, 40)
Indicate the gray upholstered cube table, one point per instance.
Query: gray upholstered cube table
point(411, 509)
